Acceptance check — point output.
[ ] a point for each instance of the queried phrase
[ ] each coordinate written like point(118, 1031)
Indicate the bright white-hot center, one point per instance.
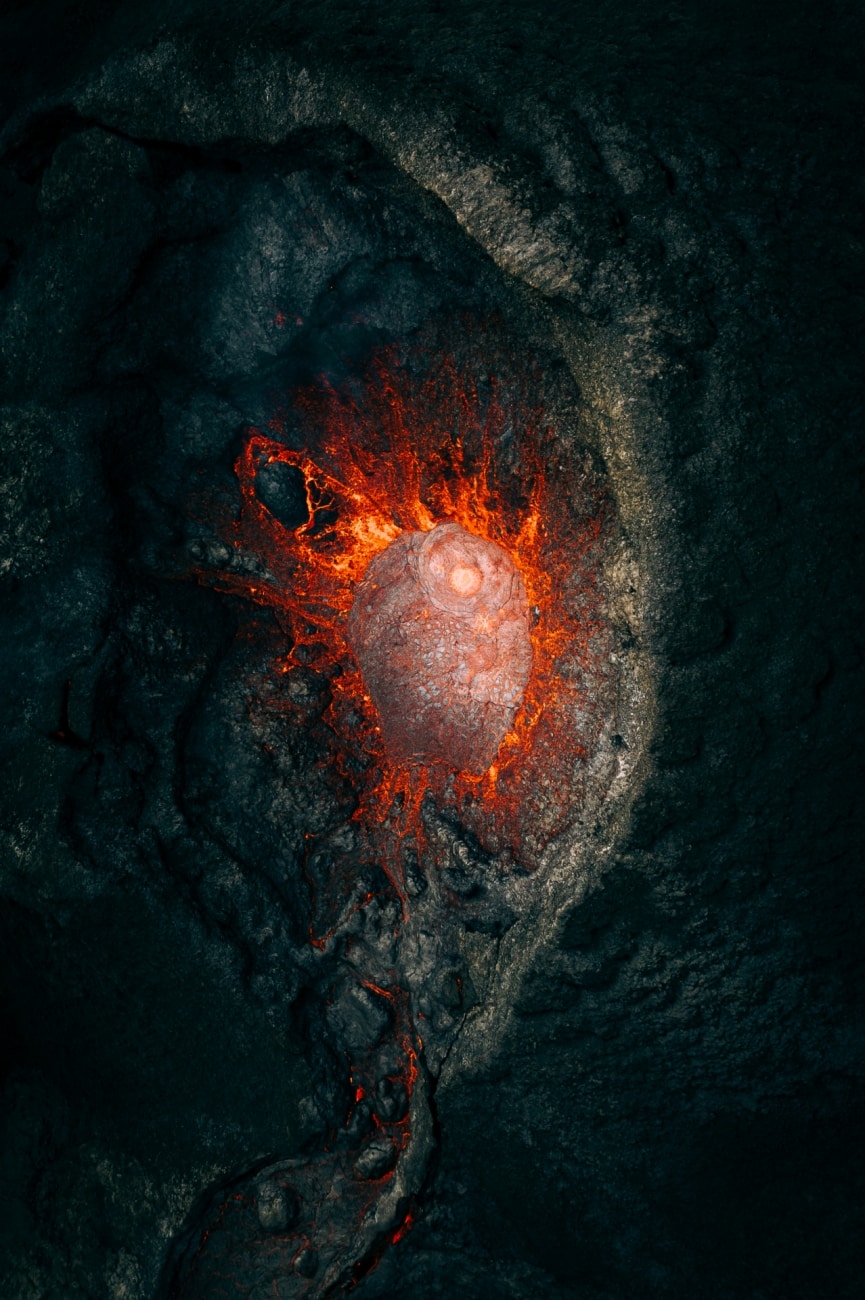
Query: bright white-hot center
point(465, 579)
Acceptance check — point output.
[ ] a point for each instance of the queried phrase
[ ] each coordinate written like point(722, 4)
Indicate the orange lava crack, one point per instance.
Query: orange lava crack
point(407, 451)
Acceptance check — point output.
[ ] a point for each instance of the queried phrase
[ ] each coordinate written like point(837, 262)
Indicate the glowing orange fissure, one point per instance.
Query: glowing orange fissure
point(406, 455)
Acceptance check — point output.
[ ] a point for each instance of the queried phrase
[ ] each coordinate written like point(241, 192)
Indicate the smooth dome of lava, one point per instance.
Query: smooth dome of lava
point(440, 628)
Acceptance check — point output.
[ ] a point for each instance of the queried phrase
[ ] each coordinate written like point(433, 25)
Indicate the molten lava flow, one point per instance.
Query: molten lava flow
point(401, 455)
point(439, 595)
point(440, 627)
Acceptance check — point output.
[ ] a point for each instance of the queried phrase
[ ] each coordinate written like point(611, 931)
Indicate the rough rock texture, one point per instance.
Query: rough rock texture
point(649, 1067)
point(440, 626)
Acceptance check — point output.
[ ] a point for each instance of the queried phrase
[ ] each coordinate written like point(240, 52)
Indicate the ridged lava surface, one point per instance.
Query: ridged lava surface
point(440, 627)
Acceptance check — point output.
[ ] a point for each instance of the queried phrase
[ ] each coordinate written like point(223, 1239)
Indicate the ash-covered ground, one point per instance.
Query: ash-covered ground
point(643, 1050)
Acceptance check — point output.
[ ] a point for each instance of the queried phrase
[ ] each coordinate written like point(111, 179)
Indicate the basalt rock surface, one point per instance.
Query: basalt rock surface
point(643, 1048)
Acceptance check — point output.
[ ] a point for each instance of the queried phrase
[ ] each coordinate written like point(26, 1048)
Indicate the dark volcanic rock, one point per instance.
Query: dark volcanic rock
point(281, 487)
point(644, 1046)
point(277, 1207)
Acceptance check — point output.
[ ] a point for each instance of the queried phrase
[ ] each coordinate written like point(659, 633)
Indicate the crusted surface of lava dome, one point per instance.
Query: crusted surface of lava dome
point(440, 627)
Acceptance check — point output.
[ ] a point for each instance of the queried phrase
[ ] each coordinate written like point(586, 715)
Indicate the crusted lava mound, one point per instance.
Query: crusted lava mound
point(440, 628)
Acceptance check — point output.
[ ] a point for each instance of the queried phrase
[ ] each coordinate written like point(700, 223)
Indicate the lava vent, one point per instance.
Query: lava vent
point(440, 628)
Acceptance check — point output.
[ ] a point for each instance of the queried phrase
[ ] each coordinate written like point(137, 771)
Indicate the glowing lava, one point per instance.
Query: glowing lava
point(436, 583)
point(440, 627)
point(415, 448)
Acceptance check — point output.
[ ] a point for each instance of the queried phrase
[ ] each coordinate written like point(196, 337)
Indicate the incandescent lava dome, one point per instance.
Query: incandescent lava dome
point(440, 628)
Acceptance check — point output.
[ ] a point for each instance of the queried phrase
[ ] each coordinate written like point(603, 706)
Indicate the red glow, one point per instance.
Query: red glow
point(404, 1228)
point(418, 442)
point(369, 1265)
point(403, 452)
